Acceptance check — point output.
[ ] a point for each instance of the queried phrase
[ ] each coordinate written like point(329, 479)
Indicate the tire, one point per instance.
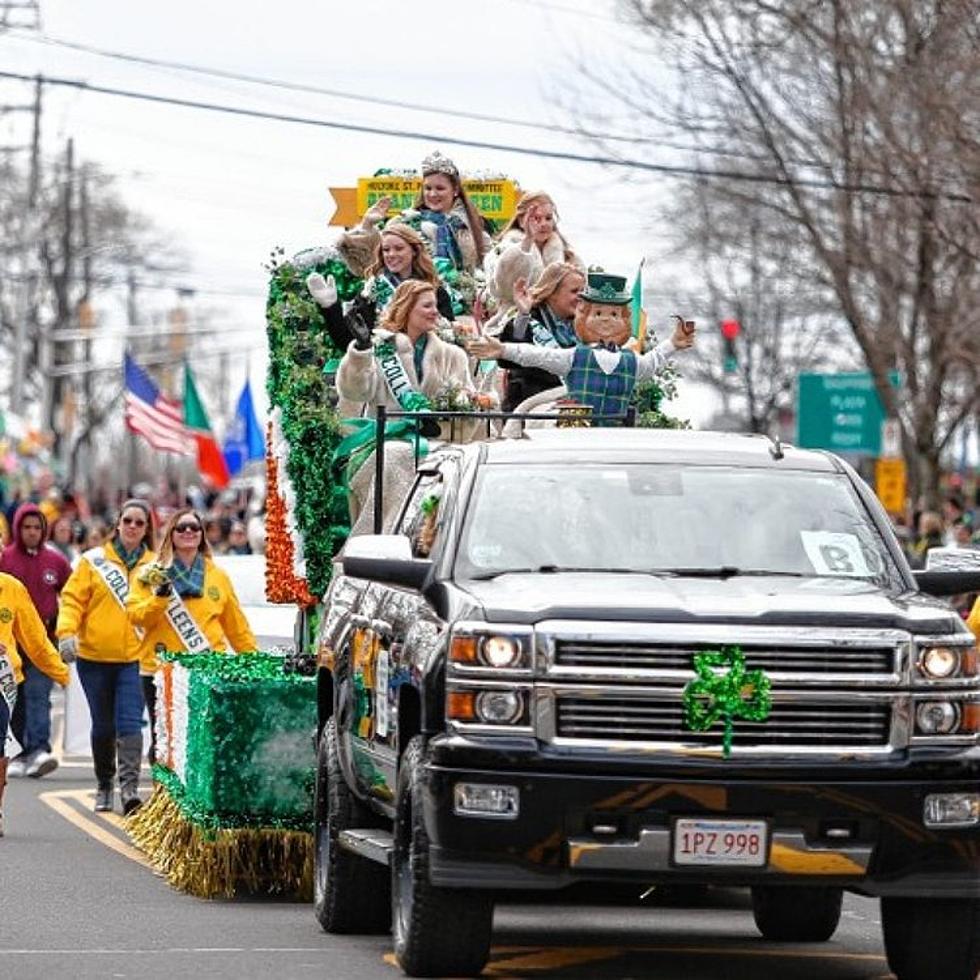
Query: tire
point(437, 931)
point(928, 938)
point(796, 915)
point(350, 893)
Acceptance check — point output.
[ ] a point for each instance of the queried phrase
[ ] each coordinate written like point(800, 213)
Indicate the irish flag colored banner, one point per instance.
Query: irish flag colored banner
point(210, 460)
point(639, 316)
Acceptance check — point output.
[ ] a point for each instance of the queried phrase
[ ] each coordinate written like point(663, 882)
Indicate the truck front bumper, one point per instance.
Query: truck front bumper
point(867, 836)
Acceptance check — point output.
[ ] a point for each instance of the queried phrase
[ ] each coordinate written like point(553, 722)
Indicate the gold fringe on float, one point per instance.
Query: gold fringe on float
point(210, 864)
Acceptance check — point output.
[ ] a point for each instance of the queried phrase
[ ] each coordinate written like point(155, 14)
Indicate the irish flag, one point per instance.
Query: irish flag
point(210, 460)
point(638, 314)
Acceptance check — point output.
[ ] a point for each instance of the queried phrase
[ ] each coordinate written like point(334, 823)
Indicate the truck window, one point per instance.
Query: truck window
point(420, 522)
point(641, 517)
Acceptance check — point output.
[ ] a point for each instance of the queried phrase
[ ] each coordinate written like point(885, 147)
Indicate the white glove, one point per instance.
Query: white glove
point(68, 648)
point(324, 291)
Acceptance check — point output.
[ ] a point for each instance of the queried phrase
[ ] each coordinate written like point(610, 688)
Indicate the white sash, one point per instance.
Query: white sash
point(115, 581)
point(394, 373)
point(180, 618)
point(8, 681)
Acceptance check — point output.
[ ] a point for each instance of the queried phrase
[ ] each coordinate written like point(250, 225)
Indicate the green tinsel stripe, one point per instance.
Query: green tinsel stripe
point(299, 346)
point(239, 668)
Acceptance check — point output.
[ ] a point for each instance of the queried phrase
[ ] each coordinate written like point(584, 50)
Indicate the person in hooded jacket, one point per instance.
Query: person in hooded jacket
point(43, 571)
point(93, 629)
point(21, 632)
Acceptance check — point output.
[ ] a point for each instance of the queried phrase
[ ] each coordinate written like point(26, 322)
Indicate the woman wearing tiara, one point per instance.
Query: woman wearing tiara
point(447, 217)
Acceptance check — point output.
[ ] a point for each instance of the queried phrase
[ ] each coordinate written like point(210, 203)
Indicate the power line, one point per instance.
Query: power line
point(370, 99)
point(667, 170)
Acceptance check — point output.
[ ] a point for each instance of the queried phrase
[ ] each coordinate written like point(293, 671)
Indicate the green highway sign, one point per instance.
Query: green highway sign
point(840, 412)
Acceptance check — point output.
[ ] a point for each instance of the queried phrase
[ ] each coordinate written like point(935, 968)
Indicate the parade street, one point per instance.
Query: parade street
point(79, 901)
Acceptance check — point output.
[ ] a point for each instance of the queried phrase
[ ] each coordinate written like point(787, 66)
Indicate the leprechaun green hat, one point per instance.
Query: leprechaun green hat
point(602, 287)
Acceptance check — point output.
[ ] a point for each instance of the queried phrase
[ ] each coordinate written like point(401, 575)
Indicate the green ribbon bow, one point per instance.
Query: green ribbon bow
point(713, 696)
point(358, 446)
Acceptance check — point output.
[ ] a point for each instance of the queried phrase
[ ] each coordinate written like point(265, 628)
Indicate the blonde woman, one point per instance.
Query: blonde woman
point(401, 255)
point(545, 315)
point(528, 243)
point(186, 603)
point(94, 631)
point(408, 360)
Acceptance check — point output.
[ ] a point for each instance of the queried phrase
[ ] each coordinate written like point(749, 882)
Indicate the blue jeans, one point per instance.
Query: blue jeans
point(114, 695)
point(31, 719)
point(4, 719)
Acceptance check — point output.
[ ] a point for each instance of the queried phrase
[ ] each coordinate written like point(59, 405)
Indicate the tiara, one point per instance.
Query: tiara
point(436, 163)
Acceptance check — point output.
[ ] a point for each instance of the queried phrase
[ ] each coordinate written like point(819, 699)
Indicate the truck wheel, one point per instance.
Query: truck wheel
point(927, 938)
point(796, 915)
point(437, 931)
point(350, 893)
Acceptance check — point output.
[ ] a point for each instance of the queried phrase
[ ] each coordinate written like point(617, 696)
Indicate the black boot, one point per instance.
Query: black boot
point(129, 752)
point(104, 759)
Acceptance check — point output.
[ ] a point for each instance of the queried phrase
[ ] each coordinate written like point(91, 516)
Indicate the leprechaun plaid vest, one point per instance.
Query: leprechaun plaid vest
point(607, 394)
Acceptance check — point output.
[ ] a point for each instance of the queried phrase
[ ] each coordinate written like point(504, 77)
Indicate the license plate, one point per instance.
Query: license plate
point(721, 843)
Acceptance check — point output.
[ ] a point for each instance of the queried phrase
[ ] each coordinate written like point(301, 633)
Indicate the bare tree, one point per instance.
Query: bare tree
point(847, 129)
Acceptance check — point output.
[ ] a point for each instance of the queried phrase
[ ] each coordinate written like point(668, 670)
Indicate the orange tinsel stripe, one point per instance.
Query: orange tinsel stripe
point(281, 582)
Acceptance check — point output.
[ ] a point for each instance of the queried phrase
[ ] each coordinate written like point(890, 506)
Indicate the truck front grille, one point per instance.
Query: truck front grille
point(809, 724)
point(774, 659)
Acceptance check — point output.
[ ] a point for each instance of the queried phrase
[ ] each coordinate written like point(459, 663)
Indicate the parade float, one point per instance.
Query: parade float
point(232, 806)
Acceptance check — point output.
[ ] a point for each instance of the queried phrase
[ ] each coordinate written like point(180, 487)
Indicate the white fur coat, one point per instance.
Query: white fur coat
point(507, 262)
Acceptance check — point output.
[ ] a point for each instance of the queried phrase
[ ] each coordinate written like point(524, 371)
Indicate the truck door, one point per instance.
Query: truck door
point(378, 657)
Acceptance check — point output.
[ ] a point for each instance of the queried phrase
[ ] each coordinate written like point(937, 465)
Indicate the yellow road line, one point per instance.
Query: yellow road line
point(555, 958)
point(58, 800)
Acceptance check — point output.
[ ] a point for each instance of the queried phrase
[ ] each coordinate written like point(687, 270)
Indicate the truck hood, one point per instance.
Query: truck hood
point(529, 598)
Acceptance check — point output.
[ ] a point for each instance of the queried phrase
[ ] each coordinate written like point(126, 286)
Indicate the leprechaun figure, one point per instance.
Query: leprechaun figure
point(599, 371)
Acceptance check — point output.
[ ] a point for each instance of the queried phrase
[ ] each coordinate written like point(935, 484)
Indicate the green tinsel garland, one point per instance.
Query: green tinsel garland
point(713, 697)
point(299, 347)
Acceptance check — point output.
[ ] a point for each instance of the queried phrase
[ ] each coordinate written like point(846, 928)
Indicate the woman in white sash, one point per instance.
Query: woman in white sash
point(406, 366)
point(94, 629)
point(192, 607)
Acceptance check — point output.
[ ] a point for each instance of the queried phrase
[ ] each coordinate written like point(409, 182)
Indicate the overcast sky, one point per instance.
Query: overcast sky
point(230, 188)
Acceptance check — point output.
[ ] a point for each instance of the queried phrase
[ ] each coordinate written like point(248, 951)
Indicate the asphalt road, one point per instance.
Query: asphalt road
point(77, 901)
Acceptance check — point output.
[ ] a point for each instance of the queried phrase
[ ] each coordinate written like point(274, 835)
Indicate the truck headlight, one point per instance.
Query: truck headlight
point(499, 707)
point(502, 651)
point(939, 662)
point(936, 717)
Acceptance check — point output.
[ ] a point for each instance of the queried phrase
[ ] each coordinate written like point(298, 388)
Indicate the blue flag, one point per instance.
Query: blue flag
point(244, 440)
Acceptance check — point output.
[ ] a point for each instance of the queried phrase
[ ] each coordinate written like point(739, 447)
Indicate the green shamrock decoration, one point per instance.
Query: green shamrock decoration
point(712, 696)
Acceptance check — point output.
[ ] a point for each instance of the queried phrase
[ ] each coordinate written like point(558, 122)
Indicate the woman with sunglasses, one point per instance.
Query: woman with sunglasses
point(187, 603)
point(94, 630)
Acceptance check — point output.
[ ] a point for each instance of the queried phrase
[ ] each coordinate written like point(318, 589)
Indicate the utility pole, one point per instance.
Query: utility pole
point(28, 258)
point(52, 347)
point(22, 14)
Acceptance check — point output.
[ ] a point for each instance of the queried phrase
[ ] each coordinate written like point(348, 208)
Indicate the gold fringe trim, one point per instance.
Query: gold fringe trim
point(219, 865)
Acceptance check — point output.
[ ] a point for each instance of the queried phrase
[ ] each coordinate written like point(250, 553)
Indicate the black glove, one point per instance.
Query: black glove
point(164, 590)
point(430, 428)
point(360, 331)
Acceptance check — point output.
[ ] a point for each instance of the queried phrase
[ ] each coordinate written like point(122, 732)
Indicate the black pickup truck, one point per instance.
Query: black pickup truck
point(651, 657)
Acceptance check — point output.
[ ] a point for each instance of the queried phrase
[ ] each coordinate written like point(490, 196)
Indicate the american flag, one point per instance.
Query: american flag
point(149, 413)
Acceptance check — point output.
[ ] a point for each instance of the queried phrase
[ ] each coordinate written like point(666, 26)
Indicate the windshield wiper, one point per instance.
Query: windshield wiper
point(723, 572)
point(551, 569)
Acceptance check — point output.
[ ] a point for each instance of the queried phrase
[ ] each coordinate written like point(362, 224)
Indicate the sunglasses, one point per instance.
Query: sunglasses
point(135, 521)
point(186, 526)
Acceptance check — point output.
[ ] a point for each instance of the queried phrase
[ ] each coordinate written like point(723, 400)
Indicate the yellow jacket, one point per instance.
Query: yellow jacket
point(217, 613)
point(21, 626)
point(90, 611)
point(974, 619)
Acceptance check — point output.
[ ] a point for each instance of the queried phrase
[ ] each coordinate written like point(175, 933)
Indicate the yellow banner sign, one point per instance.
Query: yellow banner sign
point(494, 199)
point(890, 484)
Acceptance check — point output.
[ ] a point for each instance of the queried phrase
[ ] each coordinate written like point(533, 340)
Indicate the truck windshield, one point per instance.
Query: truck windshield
point(671, 520)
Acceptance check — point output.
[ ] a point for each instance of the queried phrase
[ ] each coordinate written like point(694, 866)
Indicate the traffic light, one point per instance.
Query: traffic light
point(730, 329)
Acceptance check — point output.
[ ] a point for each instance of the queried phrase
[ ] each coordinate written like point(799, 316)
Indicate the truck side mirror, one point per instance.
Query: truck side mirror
point(386, 558)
